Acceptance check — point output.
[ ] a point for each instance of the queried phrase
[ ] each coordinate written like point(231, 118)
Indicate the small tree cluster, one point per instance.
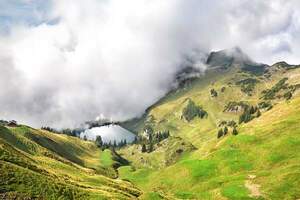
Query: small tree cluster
point(249, 114)
point(213, 93)
point(265, 105)
point(230, 123)
point(153, 138)
point(247, 85)
point(234, 106)
point(160, 136)
point(69, 132)
point(3, 122)
point(192, 110)
point(110, 145)
point(270, 94)
point(224, 131)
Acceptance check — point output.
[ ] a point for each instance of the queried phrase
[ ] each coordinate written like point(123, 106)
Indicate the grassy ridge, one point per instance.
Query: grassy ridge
point(261, 162)
point(40, 164)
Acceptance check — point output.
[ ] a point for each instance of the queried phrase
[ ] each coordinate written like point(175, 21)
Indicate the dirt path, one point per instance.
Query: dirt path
point(253, 188)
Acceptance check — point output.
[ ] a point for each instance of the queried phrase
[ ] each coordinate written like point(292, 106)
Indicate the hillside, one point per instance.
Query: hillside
point(232, 132)
point(259, 103)
point(37, 164)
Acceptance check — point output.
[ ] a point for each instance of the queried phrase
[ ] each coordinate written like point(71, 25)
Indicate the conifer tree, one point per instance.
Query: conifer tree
point(234, 131)
point(144, 149)
point(220, 133)
point(258, 114)
point(225, 130)
point(99, 141)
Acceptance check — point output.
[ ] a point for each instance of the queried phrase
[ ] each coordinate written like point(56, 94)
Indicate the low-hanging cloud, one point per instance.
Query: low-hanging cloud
point(83, 59)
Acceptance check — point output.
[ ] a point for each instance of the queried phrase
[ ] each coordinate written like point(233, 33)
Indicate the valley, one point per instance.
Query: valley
point(232, 132)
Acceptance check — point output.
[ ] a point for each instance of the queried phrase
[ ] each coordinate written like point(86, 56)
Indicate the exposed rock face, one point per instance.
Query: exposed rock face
point(234, 57)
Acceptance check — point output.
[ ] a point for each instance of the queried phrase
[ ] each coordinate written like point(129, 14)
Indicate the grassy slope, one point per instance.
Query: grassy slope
point(41, 164)
point(263, 157)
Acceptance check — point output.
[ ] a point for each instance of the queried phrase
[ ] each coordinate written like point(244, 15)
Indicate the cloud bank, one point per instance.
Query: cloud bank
point(83, 59)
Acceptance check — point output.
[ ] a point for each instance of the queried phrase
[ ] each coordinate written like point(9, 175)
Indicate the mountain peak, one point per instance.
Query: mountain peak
point(227, 57)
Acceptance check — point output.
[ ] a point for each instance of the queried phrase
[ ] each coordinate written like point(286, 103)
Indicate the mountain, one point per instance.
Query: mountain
point(247, 147)
point(229, 132)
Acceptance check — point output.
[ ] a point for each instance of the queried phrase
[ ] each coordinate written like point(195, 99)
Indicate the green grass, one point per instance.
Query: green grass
point(106, 158)
point(265, 153)
point(235, 191)
point(40, 164)
point(266, 148)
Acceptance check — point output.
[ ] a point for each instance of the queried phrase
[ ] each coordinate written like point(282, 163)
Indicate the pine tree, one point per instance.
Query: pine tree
point(258, 114)
point(144, 149)
point(242, 118)
point(220, 133)
point(99, 141)
point(252, 110)
point(85, 138)
point(234, 131)
point(150, 136)
point(225, 130)
point(150, 147)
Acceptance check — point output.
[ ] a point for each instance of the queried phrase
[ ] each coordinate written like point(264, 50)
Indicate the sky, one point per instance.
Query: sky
point(64, 62)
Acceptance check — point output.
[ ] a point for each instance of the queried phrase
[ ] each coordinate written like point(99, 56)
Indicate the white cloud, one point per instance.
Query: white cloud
point(115, 58)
